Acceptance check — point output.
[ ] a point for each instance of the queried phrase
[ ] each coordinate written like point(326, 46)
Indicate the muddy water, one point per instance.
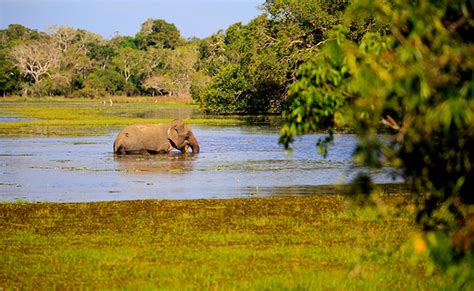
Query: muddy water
point(234, 162)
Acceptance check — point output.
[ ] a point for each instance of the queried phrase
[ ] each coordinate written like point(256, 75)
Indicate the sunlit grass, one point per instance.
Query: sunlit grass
point(61, 116)
point(278, 243)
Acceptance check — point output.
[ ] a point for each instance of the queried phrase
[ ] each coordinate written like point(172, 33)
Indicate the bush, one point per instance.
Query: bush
point(226, 93)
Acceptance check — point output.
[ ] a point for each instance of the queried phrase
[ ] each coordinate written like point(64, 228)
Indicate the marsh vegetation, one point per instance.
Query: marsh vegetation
point(292, 242)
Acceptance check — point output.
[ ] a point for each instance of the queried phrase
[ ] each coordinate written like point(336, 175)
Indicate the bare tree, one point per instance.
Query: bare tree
point(181, 63)
point(155, 60)
point(68, 37)
point(65, 36)
point(158, 84)
point(36, 59)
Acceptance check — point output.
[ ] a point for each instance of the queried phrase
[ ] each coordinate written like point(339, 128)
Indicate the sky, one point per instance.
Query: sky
point(199, 18)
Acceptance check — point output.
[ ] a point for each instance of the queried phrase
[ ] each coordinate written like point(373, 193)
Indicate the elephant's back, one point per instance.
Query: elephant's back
point(141, 129)
point(139, 136)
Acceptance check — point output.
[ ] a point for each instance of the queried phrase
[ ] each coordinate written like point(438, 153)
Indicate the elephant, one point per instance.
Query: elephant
point(155, 138)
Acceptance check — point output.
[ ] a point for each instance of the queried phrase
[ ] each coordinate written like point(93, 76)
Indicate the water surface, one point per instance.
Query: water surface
point(241, 161)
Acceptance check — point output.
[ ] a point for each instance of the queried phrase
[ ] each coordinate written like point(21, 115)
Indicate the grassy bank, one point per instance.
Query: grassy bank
point(278, 243)
point(62, 116)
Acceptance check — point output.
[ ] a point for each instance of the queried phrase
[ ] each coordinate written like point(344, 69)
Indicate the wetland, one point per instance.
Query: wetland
point(240, 157)
point(153, 221)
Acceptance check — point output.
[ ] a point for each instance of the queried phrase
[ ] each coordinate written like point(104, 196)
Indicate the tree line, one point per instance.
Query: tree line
point(243, 69)
point(78, 63)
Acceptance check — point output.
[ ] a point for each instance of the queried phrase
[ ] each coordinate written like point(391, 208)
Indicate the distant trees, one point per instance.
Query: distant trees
point(74, 62)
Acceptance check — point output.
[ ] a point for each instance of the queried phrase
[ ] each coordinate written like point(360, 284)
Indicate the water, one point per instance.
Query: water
point(241, 161)
point(14, 119)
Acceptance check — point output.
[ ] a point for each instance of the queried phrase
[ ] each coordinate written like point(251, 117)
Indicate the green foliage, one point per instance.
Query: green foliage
point(100, 54)
point(318, 94)
point(75, 62)
point(103, 82)
point(15, 34)
point(417, 81)
point(9, 74)
point(212, 55)
point(199, 83)
point(226, 93)
point(267, 52)
point(124, 42)
point(159, 34)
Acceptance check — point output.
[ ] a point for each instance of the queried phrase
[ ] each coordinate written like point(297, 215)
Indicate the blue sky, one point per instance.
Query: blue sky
point(199, 18)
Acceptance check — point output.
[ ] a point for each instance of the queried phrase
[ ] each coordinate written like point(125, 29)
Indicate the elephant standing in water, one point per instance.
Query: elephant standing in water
point(155, 138)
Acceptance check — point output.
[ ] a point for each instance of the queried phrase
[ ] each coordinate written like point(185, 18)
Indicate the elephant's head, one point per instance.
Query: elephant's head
point(180, 136)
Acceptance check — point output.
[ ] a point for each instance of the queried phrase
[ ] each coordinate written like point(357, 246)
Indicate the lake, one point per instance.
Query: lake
point(235, 161)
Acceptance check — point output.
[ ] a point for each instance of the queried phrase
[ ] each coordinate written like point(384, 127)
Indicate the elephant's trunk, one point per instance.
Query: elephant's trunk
point(193, 143)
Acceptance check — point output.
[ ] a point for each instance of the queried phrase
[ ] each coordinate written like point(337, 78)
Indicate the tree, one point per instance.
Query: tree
point(267, 52)
point(18, 34)
point(120, 41)
point(226, 92)
point(159, 34)
point(170, 72)
point(156, 61)
point(101, 54)
point(129, 62)
point(37, 59)
point(65, 36)
point(212, 56)
point(417, 81)
point(103, 82)
point(15, 34)
point(9, 74)
point(181, 69)
point(157, 84)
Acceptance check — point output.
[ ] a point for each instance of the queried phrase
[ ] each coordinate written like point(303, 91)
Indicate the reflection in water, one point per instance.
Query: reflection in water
point(166, 163)
point(234, 162)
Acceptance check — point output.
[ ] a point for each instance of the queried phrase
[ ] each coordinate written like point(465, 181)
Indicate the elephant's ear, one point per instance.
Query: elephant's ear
point(176, 126)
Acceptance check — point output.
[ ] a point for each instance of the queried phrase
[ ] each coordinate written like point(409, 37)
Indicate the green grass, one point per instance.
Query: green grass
point(303, 243)
point(61, 116)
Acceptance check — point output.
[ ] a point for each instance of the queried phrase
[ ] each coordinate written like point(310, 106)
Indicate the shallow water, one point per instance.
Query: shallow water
point(234, 162)
point(14, 119)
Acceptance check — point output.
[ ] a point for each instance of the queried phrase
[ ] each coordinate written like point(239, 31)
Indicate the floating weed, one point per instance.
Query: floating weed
point(62, 161)
point(17, 155)
point(84, 143)
point(10, 185)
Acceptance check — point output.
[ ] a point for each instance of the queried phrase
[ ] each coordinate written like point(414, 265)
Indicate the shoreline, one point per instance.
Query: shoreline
point(385, 189)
